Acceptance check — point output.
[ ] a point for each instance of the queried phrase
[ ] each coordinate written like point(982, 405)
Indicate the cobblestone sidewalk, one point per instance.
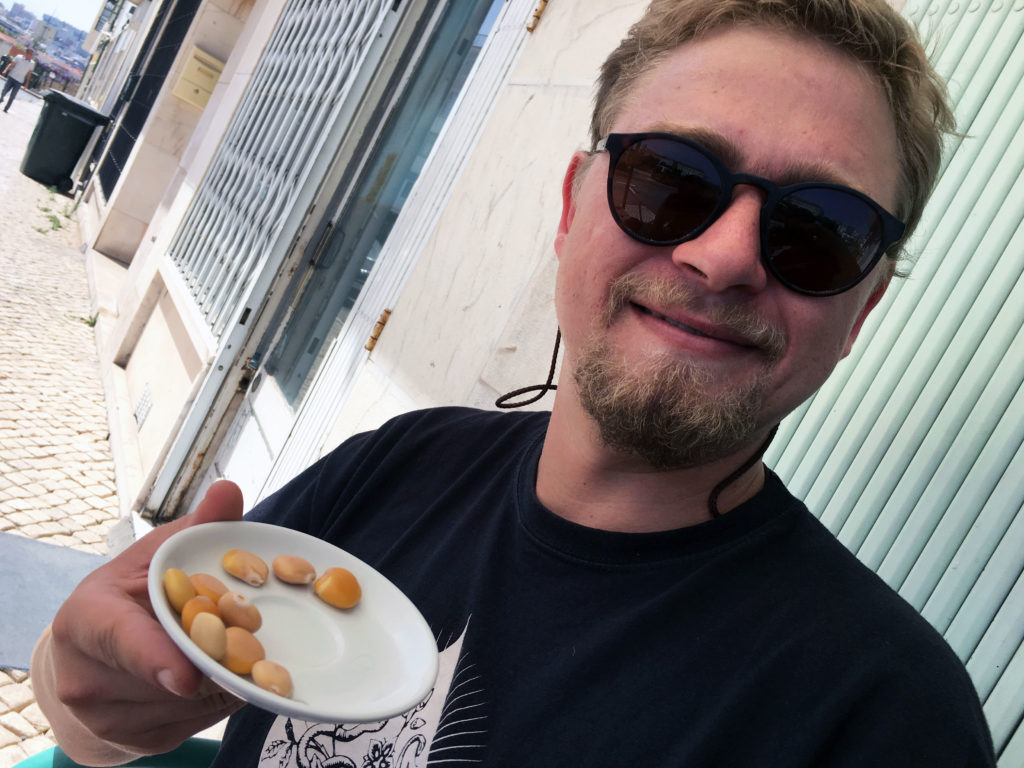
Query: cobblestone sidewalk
point(56, 471)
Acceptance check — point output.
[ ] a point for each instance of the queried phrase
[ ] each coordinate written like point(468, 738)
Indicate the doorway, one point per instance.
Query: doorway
point(317, 303)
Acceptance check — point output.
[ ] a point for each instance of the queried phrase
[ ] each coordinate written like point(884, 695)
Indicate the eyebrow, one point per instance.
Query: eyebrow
point(730, 154)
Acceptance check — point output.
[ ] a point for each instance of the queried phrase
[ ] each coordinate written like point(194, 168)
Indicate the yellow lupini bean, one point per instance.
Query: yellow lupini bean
point(237, 611)
point(245, 566)
point(178, 588)
point(293, 569)
point(209, 633)
point(195, 606)
point(242, 651)
point(222, 622)
point(339, 587)
point(208, 585)
point(271, 676)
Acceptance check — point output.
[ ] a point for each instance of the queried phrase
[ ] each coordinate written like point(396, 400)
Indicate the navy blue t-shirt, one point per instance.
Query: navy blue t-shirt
point(754, 639)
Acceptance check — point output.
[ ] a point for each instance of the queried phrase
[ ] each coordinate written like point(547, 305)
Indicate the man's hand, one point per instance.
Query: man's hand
point(116, 669)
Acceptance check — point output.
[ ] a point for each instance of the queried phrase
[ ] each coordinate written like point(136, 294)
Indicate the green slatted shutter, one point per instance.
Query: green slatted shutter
point(913, 452)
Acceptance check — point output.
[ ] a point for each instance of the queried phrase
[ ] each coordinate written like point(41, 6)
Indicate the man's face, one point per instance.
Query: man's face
point(696, 345)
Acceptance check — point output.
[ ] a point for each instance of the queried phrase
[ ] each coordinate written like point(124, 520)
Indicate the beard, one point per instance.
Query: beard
point(673, 413)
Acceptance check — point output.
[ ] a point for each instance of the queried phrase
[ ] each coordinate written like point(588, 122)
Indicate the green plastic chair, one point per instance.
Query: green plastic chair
point(194, 753)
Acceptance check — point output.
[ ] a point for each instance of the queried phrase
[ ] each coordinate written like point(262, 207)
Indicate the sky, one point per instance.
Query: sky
point(77, 13)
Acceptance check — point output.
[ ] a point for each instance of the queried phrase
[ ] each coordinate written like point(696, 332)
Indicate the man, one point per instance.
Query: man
point(622, 580)
point(17, 74)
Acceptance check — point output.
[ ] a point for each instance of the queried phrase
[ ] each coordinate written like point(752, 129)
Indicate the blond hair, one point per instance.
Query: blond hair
point(870, 31)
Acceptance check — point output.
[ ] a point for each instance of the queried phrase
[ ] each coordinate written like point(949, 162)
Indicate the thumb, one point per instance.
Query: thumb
point(108, 618)
point(145, 649)
point(222, 502)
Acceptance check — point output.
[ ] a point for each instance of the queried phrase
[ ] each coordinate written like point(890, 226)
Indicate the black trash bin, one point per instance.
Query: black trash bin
point(62, 132)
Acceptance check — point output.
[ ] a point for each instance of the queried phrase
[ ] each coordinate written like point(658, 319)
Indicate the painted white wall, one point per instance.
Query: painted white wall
point(476, 317)
point(163, 365)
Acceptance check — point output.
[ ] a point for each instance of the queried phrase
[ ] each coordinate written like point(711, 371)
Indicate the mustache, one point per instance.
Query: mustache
point(737, 318)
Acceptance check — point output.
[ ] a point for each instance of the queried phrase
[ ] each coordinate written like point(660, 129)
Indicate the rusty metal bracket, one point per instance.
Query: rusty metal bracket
point(377, 328)
point(537, 13)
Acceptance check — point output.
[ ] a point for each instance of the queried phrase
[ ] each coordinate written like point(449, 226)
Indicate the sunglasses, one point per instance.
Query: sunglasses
point(817, 238)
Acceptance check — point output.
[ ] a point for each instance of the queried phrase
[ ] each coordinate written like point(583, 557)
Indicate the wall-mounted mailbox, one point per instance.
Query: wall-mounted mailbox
point(198, 78)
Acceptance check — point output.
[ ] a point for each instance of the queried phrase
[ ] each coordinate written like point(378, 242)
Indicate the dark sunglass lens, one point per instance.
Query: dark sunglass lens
point(663, 191)
point(821, 239)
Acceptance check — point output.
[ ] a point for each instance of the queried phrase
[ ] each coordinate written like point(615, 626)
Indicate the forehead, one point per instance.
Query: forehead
point(784, 105)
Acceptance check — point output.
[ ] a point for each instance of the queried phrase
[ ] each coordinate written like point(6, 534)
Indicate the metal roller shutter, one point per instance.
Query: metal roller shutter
point(411, 231)
point(278, 132)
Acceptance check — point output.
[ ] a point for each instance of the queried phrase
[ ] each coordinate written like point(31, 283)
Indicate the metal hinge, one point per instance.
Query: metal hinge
point(377, 328)
point(537, 13)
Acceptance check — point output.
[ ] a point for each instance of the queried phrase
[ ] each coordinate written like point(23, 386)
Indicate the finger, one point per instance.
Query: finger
point(160, 727)
point(222, 503)
point(95, 683)
point(99, 633)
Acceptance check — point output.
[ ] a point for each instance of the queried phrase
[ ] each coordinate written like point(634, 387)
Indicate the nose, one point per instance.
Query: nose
point(727, 255)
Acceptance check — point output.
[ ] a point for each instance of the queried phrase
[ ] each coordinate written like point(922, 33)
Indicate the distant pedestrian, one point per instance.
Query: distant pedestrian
point(17, 74)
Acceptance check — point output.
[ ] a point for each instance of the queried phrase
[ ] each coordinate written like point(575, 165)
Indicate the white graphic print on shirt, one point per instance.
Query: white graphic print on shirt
point(444, 721)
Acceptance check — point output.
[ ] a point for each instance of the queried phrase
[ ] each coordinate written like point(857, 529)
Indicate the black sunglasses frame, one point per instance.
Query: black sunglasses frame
point(615, 144)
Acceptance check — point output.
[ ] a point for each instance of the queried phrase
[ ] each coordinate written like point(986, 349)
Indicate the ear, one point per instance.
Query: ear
point(576, 167)
point(870, 304)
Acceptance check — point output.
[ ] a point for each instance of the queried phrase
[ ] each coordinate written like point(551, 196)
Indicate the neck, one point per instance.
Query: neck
point(585, 481)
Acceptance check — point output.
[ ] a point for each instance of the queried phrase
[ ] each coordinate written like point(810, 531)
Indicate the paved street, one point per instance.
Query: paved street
point(56, 472)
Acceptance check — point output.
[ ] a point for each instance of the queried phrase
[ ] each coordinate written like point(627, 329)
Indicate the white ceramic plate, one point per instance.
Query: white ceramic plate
point(368, 663)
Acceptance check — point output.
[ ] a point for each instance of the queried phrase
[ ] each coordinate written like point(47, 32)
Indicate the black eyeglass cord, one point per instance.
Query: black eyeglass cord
point(717, 490)
point(540, 389)
point(543, 389)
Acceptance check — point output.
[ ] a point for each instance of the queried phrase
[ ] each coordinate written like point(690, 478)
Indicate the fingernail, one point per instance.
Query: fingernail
point(166, 679)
